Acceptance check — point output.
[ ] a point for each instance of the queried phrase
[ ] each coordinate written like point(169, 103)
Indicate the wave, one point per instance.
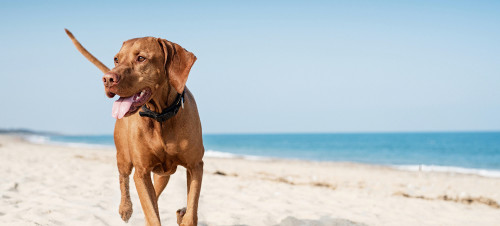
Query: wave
point(227, 155)
point(449, 169)
point(39, 139)
point(36, 139)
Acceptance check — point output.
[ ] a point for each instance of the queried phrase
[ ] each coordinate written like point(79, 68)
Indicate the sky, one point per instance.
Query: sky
point(264, 66)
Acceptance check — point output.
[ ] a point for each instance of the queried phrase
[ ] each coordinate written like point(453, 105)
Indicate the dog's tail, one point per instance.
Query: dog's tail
point(86, 53)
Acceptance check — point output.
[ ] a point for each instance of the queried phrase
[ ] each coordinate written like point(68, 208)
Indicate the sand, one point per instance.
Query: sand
point(44, 184)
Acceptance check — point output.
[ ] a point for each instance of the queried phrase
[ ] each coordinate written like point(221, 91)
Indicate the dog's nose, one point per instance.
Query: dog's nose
point(110, 79)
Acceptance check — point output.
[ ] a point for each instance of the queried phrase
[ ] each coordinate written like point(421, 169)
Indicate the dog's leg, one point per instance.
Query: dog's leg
point(124, 168)
point(160, 182)
point(147, 195)
point(194, 186)
point(188, 180)
point(180, 212)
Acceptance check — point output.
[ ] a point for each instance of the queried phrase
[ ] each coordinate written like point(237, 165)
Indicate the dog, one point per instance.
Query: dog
point(157, 123)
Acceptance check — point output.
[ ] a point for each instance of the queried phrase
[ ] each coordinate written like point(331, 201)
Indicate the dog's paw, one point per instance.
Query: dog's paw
point(180, 214)
point(125, 210)
point(184, 219)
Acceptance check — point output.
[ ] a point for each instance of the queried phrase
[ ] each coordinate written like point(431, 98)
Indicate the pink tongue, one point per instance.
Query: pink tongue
point(121, 107)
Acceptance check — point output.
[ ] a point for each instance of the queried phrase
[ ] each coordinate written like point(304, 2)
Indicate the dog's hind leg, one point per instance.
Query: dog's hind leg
point(181, 212)
point(160, 182)
point(189, 216)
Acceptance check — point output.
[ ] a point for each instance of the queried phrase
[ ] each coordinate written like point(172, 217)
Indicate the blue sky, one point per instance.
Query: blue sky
point(265, 67)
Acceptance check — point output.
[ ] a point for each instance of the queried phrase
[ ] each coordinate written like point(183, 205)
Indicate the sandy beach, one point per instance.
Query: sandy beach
point(57, 185)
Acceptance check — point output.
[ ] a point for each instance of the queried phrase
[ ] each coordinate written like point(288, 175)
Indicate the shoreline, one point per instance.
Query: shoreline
point(492, 173)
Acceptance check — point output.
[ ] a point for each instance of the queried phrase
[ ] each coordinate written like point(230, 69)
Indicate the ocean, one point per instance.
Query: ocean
point(462, 152)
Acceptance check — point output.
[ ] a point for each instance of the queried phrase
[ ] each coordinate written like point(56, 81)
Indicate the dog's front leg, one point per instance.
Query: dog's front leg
point(146, 191)
point(125, 169)
point(194, 187)
point(125, 209)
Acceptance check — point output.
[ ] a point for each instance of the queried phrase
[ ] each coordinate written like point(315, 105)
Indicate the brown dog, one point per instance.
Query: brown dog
point(152, 72)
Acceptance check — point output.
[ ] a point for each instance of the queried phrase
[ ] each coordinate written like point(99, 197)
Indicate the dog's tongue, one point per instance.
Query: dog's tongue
point(121, 107)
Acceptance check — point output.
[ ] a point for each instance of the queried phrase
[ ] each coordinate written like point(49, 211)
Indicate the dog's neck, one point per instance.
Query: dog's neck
point(164, 97)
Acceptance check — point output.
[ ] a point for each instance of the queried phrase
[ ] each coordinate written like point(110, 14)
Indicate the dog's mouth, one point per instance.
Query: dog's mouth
point(126, 106)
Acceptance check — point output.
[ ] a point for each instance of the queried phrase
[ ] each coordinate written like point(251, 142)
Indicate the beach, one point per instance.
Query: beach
point(44, 184)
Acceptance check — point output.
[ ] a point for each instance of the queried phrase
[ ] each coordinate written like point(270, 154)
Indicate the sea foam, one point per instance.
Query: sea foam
point(39, 139)
point(227, 155)
point(449, 169)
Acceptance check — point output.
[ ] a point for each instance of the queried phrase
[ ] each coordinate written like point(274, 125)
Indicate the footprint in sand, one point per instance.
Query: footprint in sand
point(14, 188)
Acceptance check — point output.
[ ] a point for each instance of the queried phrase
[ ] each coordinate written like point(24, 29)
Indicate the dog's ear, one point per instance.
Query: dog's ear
point(178, 63)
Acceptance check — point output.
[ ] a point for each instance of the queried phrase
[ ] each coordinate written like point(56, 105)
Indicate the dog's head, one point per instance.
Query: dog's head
point(142, 67)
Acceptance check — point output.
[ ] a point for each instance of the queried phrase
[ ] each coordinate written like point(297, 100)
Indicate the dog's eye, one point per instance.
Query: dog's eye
point(116, 60)
point(141, 59)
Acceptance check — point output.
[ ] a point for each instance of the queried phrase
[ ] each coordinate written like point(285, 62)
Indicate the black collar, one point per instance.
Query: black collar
point(167, 113)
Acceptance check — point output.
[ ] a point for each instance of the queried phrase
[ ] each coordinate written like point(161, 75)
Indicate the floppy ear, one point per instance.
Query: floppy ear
point(178, 63)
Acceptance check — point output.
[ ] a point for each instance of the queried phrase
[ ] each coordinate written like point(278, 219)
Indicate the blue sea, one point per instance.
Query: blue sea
point(462, 152)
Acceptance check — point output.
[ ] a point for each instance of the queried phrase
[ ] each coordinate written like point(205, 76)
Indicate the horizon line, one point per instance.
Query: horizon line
point(33, 131)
